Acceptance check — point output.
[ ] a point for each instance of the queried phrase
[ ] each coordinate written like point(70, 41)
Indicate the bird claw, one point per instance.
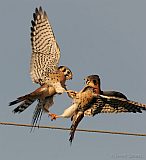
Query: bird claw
point(53, 116)
point(71, 93)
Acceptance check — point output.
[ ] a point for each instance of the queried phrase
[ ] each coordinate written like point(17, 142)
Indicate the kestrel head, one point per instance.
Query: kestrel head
point(67, 72)
point(92, 80)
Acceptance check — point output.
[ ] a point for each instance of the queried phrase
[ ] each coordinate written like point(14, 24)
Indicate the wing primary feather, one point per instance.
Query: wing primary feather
point(36, 116)
point(34, 16)
point(45, 15)
point(110, 104)
point(36, 10)
point(40, 9)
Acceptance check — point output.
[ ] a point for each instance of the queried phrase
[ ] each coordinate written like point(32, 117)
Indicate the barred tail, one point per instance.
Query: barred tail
point(76, 120)
point(18, 100)
point(26, 100)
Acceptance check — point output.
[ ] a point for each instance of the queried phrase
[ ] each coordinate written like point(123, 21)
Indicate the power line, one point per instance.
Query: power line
point(80, 130)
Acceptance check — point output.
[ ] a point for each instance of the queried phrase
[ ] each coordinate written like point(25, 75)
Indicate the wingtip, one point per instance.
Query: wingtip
point(36, 10)
point(40, 9)
point(45, 14)
point(34, 16)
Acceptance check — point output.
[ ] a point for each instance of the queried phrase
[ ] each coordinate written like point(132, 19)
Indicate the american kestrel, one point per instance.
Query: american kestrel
point(44, 68)
point(91, 100)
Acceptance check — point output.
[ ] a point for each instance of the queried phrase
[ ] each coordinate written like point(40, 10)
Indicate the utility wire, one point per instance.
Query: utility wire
point(67, 129)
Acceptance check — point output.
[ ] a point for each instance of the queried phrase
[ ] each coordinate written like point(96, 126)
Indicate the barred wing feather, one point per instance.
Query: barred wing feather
point(109, 104)
point(45, 50)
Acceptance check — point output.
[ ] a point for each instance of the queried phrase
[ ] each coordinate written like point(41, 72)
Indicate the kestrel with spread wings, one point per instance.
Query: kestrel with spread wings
point(91, 100)
point(44, 68)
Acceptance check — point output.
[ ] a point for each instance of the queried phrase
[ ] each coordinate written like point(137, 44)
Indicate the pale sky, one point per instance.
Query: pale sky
point(105, 37)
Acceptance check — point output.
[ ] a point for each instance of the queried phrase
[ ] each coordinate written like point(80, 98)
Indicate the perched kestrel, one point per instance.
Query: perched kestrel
point(91, 101)
point(44, 68)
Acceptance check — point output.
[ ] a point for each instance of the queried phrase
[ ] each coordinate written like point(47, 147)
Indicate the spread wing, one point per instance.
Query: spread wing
point(110, 104)
point(45, 50)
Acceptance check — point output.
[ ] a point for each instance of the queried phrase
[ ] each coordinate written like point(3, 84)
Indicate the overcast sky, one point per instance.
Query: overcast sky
point(105, 37)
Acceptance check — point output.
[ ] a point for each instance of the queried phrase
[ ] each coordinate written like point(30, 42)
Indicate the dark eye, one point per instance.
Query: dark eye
point(64, 70)
point(68, 72)
point(94, 81)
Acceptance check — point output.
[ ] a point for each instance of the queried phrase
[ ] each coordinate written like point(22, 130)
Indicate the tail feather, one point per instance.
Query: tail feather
point(26, 100)
point(14, 102)
point(23, 106)
point(19, 99)
point(76, 120)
